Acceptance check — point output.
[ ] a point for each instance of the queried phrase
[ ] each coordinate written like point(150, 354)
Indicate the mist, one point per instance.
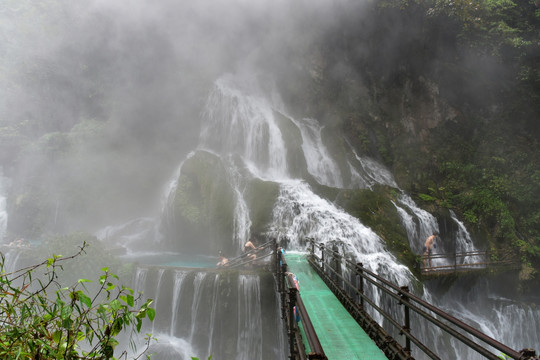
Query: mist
point(102, 101)
point(105, 97)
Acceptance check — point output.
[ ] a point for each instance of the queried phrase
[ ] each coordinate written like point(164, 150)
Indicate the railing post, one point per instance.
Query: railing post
point(336, 263)
point(292, 337)
point(360, 283)
point(276, 257)
point(281, 285)
point(322, 258)
point(455, 257)
point(407, 327)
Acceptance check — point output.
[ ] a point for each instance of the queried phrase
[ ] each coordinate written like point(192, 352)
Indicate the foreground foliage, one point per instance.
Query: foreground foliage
point(40, 319)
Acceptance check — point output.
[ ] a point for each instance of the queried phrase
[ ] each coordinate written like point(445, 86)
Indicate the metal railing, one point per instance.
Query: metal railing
point(252, 257)
point(456, 262)
point(291, 303)
point(329, 264)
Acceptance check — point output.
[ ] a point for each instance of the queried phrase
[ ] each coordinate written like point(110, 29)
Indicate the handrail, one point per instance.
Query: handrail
point(410, 302)
point(291, 301)
point(311, 335)
point(461, 255)
point(244, 259)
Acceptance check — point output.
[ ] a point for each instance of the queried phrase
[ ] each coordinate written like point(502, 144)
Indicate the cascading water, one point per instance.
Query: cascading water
point(225, 317)
point(370, 172)
point(3, 207)
point(232, 115)
point(464, 243)
point(319, 162)
point(245, 125)
point(425, 223)
point(255, 142)
point(298, 211)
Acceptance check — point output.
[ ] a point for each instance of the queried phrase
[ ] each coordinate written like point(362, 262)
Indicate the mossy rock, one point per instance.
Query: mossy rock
point(261, 196)
point(203, 206)
point(292, 138)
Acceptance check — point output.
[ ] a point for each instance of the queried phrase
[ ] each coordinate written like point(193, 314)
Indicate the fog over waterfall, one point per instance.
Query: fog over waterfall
point(164, 130)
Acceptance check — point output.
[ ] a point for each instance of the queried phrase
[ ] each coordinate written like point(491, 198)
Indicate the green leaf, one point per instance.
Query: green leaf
point(115, 305)
point(83, 281)
point(66, 312)
point(57, 336)
point(151, 313)
point(85, 300)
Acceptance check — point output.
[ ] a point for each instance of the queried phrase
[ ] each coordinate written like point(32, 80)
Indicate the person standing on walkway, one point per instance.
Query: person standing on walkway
point(428, 249)
point(250, 250)
point(223, 261)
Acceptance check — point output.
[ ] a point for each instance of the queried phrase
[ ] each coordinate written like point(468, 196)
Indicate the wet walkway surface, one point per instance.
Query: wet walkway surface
point(340, 335)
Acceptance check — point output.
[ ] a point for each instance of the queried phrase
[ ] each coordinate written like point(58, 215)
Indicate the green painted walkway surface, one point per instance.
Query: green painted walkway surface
point(340, 335)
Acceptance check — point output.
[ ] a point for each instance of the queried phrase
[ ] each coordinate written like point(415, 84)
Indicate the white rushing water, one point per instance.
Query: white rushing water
point(236, 122)
point(240, 123)
point(3, 206)
point(299, 212)
point(222, 321)
point(370, 172)
point(241, 128)
point(319, 162)
point(425, 225)
point(464, 243)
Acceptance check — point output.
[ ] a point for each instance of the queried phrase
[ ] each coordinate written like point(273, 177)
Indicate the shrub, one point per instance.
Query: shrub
point(40, 319)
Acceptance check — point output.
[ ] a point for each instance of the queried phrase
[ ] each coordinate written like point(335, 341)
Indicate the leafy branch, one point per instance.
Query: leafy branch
point(39, 319)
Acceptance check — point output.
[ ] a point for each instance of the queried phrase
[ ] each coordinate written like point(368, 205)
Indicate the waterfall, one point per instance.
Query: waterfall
point(486, 307)
point(249, 317)
point(3, 206)
point(319, 162)
point(228, 316)
point(11, 259)
point(242, 220)
point(370, 172)
point(167, 197)
point(464, 243)
point(237, 122)
point(199, 277)
point(427, 224)
point(409, 223)
point(299, 213)
point(178, 280)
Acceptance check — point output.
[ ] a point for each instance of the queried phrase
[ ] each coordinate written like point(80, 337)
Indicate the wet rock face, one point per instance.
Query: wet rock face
point(202, 208)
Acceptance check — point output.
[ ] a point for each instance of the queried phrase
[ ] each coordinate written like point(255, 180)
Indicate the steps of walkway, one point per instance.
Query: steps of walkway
point(340, 335)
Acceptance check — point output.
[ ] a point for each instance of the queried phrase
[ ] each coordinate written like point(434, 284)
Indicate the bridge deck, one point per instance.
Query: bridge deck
point(340, 335)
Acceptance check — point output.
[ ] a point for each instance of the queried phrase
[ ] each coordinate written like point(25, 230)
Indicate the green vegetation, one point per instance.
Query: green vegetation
point(42, 319)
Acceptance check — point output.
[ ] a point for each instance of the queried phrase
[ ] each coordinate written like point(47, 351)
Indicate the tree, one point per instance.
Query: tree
point(40, 319)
